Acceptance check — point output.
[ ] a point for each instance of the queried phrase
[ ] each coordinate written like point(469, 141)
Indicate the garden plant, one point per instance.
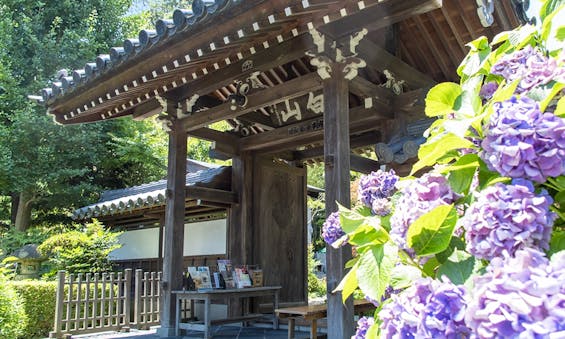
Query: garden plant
point(473, 244)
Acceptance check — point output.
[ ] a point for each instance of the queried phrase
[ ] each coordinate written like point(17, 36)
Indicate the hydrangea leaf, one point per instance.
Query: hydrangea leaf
point(454, 244)
point(434, 149)
point(349, 219)
point(549, 93)
point(441, 99)
point(547, 25)
point(375, 267)
point(372, 332)
point(560, 109)
point(459, 267)
point(560, 33)
point(431, 233)
point(461, 173)
point(348, 284)
point(522, 36)
point(403, 276)
point(557, 242)
point(368, 235)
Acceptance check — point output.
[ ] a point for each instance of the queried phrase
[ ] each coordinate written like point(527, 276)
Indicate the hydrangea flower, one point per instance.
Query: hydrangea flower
point(529, 65)
point(331, 230)
point(519, 297)
point(418, 197)
point(428, 309)
point(377, 185)
point(363, 325)
point(522, 142)
point(506, 218)
point(488, 90)
point(381, 206)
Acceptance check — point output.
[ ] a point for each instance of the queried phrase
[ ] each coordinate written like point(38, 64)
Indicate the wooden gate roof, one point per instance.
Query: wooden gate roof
point(198, 61)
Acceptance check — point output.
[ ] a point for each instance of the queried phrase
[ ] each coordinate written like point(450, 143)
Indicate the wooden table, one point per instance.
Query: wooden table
point(312, 313)
point(208, 295)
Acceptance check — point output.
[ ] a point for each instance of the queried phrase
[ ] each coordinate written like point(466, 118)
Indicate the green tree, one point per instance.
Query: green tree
point(81, 251)
point(48, 167)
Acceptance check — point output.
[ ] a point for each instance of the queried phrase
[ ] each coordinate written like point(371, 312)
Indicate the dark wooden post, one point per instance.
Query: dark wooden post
point(336, 158)
point(240, 230)
point(337, 63)
point(174, 226)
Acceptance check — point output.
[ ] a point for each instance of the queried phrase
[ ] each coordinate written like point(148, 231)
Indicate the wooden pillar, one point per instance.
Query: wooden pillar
point(240, 230)
point(174, 227)
point(336, 61)
point(337, 180)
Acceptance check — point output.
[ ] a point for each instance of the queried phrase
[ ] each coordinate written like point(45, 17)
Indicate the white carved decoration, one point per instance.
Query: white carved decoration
point(485, 11)
point(290, 111)
point(323, 63)
point(395, 85)
point(166, 122)
point(246, 66)
point(315, 103)
point(351, 69)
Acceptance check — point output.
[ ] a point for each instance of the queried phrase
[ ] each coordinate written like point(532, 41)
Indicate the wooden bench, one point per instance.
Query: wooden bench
point(312, 313)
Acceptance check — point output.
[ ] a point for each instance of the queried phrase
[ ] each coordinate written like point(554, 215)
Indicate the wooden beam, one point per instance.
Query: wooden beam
point(364, 139)
point(211, 194)
point(261, 98)
point(337, 177)
point(312, 130)
point(363, 165)
point(378, 16)
point(366, 89)
point(263, 61)
point(147, 109)
point(228, 142)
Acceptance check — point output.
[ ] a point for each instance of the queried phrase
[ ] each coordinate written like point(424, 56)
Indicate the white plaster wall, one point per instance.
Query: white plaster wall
point(201, 238)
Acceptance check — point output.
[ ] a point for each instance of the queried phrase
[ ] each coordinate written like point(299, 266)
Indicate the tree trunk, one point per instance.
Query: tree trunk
point(14, 207)
point(23, 215)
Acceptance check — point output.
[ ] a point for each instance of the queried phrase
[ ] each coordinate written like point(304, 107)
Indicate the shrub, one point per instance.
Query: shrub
point(38, 299)
point(316, 286)
point(12, 315)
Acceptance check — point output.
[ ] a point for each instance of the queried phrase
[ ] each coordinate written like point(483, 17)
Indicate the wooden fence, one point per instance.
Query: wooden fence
point(94, 302)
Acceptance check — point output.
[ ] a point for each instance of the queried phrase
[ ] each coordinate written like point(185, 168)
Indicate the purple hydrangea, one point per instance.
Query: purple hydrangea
point(428, 309)
point(519, 297)
point(522, 142)
point(529, 65)
point(488, 90)
point(363, 325)
point(506, 218)
point(381, 206)
point(418, 197)
point(331, 230)
point(377, 185)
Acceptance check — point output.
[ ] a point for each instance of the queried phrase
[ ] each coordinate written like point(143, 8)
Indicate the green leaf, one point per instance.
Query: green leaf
point(522, 36)
point(462, 171)
point(348, 284)
point(478, 44)
point(560, 33)
point(550, 92)
point(436, 148)
point(505, 91)
point(430, 267)
point(455, 243)
point(403, 276)
point(431, 233)
point(500, 37)
point(368, 235)
point(557, 242)
point(441, 99)
point(547, 24)
point(560, 109)
point(349, 219)
point(374, 271)
point(458, 268)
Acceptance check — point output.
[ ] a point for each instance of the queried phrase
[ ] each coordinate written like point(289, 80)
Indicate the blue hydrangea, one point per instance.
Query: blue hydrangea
point(377, 185)
point(506, 218)
point(520, 297)
point(522, 142)
point(331, 230)
point(428, 309)
point(418, 197)
point(363, 325)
